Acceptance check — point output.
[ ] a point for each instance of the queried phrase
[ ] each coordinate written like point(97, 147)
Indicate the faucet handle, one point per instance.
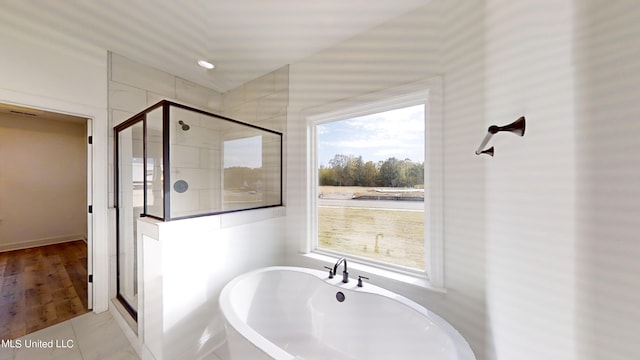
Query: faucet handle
point(330, 271)
point(360, 277)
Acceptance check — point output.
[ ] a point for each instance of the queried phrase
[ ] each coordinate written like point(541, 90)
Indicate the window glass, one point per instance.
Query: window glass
point(370, 191)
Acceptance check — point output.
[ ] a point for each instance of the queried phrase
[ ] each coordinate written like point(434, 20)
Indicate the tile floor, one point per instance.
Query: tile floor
point(86, 337)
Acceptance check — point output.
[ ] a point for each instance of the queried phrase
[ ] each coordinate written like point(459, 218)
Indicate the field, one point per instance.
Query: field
point(390, 235)
point(347, 192)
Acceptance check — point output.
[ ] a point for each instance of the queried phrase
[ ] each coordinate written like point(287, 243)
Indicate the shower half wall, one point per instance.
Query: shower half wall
point(175, 162)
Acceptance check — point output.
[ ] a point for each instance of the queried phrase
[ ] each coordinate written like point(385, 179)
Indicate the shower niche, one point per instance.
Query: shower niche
point(175, 162)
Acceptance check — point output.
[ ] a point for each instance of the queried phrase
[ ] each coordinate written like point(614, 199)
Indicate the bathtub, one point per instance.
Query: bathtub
point(298, 313)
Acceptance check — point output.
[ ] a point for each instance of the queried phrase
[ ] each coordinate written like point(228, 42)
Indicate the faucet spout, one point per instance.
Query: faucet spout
point(345, 273)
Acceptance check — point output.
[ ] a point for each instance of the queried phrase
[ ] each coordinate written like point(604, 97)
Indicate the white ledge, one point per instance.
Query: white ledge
point(375, 272)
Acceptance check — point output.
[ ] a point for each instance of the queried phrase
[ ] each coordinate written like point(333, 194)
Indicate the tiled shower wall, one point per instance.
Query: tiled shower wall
point(262, 102)
point(133, 87)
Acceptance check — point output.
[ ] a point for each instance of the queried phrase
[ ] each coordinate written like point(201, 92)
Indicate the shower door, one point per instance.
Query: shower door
point(131, 174)
point(139, 192)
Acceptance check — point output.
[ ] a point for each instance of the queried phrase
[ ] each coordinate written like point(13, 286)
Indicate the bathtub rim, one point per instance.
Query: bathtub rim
point(270, 349)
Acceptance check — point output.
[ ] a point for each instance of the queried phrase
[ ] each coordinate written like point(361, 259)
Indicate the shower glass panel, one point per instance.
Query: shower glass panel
point(154, 186)
point(131, 178)
point(219, 165)
point(176, 162)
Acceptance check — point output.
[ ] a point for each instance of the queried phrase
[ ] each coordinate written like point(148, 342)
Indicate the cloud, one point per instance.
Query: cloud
point(396, 133)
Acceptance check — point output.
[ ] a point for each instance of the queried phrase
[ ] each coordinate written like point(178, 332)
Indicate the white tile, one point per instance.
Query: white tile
point(232, 98)
point(126, 353)
point(245, 112)
point(142, 76)
point(276, 123)
point(259, 87)
point(60, 336)
point(281, 81)
point(192, 118)
point(7, 353)
point(49, 354)
point(211, 159)
point(99, 336)
point(185, 156)
point(126, 98)
point(215, 123)
point(194, 94)
point(119, 116)
point(211, 356)
point(272, 105)
point(196, 178)
point(197, 136)
point(185, 203)
point(211, 200)
point(153, 98)
point(89, 336)
point(215, 102)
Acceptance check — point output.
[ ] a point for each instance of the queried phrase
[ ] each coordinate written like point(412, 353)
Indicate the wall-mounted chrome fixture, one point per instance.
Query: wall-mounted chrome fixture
point(184, 126)
point(517, 127)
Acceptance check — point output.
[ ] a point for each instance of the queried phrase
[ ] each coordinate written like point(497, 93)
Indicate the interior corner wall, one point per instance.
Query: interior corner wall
point(530, 182)
point(43, 182)
point(607, 50)
point(262, 101)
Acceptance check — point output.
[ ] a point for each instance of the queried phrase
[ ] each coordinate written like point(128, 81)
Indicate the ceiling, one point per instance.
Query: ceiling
point(30, 113)
point(244, 39)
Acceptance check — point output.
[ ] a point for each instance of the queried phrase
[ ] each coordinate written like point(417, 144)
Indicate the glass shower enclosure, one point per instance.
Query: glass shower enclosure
point(175, 162)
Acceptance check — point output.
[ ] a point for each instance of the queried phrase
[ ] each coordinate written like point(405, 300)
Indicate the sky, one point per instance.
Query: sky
point(397, 133)
point(243, 152)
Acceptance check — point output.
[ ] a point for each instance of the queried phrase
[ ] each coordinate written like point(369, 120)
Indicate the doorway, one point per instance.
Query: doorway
point(45, 218)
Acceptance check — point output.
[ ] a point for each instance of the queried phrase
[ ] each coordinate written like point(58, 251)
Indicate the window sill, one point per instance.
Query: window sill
point(375, 273)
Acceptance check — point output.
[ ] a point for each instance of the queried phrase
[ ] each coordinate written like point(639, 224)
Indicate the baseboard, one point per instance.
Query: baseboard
point(41, 242)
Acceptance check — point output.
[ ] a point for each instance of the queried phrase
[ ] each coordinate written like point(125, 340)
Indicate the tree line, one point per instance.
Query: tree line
point(349, 170)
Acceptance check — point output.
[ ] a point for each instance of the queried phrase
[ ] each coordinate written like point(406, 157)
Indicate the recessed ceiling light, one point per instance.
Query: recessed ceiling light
point(205, 64)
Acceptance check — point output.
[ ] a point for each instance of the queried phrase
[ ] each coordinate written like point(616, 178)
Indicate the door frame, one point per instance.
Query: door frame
point(97, 186)
point(89, 153)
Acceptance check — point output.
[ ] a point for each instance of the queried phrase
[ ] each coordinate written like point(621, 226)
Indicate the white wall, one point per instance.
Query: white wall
point(42, 69)
point(187, 263)
point(43, 181)
point(444, 39)
point(606, 50)
point(530, 183)
point(562, 201)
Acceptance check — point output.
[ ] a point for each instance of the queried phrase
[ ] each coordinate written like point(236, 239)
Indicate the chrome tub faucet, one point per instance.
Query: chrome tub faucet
point(345, 273)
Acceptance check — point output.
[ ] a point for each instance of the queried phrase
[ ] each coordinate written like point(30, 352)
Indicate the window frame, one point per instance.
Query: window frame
point(429, 93)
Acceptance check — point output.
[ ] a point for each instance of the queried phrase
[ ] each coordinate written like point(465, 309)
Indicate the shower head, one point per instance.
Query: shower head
point(184, 126)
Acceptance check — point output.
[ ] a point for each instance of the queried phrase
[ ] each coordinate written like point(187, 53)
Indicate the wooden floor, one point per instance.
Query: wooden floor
point(40, 287)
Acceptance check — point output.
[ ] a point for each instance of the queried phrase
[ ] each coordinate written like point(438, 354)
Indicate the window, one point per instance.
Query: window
point(376, 183)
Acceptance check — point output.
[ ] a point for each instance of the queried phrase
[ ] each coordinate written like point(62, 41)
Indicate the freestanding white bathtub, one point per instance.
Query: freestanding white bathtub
point(295, 313)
